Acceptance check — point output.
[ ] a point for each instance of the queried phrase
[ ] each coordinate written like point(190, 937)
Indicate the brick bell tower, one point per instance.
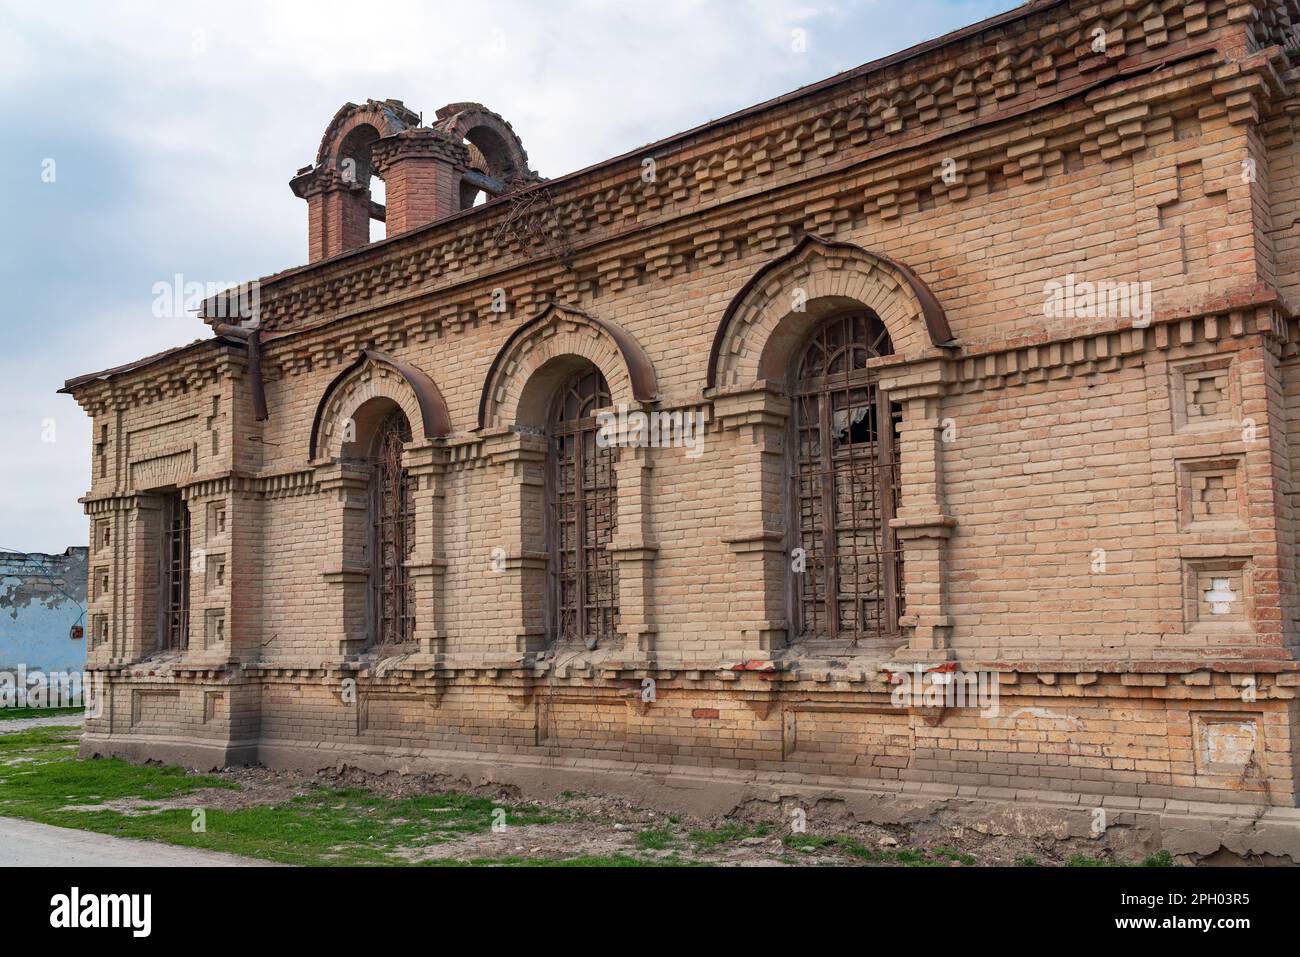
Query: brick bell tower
point(429, 172)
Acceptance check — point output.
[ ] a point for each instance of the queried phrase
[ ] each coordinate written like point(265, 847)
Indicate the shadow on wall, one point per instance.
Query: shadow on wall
point(42, 599)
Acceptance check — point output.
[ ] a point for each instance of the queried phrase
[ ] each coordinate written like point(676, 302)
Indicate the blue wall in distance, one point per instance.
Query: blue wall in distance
point(41, 598)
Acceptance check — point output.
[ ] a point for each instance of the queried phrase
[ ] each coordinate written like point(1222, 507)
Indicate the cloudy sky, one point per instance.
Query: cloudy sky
point(145, 140)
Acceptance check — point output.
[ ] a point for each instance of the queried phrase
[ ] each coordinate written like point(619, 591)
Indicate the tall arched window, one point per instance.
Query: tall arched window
point(583, 492)
point(845, 485)
point(392, 518)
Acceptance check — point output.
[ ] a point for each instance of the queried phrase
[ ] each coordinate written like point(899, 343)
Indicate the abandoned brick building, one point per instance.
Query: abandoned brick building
point(992, 346)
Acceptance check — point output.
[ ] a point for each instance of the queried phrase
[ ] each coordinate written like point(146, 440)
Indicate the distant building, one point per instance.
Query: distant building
point(42, 610)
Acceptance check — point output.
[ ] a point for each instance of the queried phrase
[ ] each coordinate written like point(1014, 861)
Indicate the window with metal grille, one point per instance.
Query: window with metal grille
point(584, 514)
point(392, 533)
point(175, 578)
point(845, 485)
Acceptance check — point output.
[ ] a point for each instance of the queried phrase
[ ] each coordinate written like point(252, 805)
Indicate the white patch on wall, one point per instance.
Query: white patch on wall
point(1225, 744)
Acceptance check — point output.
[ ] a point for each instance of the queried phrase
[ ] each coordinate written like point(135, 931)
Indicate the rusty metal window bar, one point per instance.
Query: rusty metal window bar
point(583, 491)
point(392, 533)
point(845, 486)
point(176, 574)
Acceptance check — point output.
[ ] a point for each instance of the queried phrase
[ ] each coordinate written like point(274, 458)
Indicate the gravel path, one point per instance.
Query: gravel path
point(26, 844)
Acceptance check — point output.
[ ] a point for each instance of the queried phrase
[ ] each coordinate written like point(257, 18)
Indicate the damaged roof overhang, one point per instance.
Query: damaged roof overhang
point(198, 345)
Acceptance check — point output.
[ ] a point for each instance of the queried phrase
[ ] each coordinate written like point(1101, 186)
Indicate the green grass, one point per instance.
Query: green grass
point(731, 831)
point(1159, 859)
point(41, 778)
point(948, 854)
point(590, 860)
point(40, 774)
point(806, 842)
point(654, 839)
point(939, 857)
point(17, 714)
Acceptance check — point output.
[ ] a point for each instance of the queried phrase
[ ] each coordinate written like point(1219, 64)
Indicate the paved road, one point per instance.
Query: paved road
point(22, 724)
point(26, 844)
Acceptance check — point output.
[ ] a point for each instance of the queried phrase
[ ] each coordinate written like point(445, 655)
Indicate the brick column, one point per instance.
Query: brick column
point(114, 625)
point(755, 420)
point(634, 551)
point(427, 567)
point(246, 571)
point(217, 572)
point(922, 525)
point(338, 212)
point(143, 533)
point(345, 498)
point(1260, 431)
point(519, 462)
point(421, 169)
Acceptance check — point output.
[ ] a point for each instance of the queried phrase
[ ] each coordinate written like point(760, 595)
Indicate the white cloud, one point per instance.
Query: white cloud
point(176, 128)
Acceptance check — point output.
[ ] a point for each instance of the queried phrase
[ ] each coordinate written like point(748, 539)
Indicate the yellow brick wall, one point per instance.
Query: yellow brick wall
point(1081, 476)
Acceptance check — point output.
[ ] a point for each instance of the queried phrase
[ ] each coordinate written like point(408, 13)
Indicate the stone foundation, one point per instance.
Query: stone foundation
point(1159, 765)
point(1194, 736)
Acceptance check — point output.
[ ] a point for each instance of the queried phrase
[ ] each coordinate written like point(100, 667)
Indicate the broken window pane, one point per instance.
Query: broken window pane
point(846, 486)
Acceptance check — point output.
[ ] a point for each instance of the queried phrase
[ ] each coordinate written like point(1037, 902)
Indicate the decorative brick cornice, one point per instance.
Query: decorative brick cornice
point(1106, 349)
point(793, 674)
point(1041, 57)
point(141, 384)
point(426, 316)
point(422, 143)
point(287, 484)
point(1099, 347)
point(400, 283)
point(323, 179)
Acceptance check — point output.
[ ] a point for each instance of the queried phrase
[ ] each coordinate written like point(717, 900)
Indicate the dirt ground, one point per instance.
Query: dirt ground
point(594, 826)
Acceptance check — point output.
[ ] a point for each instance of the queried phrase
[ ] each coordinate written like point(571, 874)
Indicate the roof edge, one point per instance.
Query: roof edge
point(1013, 15)
point(70, 386)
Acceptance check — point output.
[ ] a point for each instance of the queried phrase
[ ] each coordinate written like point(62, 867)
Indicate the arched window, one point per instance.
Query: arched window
point(392, 519)
point(583, 493)
point(845, 485)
